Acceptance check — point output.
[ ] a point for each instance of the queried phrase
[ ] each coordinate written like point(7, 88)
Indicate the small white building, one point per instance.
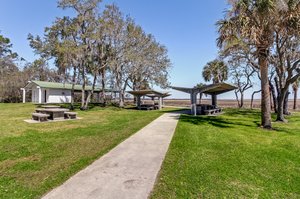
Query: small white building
point(51, 92)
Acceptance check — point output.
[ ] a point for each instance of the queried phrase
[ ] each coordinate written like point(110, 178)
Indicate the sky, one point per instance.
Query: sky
point(187, 28)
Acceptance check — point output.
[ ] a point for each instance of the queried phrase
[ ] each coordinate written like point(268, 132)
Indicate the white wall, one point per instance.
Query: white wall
point(35, 95)
point(52, 95)
point(58, 96)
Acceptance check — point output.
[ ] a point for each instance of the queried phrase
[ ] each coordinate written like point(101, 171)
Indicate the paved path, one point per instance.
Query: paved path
point(128, 171)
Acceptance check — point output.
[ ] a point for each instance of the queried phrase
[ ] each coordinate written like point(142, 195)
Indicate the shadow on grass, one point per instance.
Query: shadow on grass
point(230, 119)
point(244, 112)
point(214, 121)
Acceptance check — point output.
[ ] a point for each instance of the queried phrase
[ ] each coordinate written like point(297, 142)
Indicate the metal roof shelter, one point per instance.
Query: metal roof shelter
point(149, 93)
point(53, 92)
point(212, 89)
point(63, 86)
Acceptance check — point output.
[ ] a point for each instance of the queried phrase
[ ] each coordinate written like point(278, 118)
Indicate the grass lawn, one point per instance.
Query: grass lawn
point(34, 158)
point(229, 156)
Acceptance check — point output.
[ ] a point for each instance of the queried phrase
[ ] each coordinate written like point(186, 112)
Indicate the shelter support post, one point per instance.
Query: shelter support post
point(40, 95)
point(160, 103)
point(214, 99)
point(138, 102)
point(194, 103)
point(23, 94)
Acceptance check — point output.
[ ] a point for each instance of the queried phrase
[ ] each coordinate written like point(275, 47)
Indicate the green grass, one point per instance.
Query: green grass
point(230, 156)
point(34, 158)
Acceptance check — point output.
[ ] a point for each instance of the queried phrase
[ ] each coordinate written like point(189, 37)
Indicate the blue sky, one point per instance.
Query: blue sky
point(186, 28)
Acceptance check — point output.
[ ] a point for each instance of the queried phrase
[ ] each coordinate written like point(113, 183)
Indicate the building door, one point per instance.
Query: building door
point(45, 96)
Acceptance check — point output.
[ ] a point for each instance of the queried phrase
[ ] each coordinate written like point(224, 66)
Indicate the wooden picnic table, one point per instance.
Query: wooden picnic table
point(56, 113)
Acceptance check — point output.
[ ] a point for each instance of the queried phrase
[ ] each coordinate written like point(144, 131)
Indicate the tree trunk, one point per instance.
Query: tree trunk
point(274, 98)
point(237, 98)
point(252, 98)
point(200, 98)
point(280, 111)
point(134, 89)
point(286, 104)
point(121, 99)
point(280, 116)
point(265, 90)
point(242, 100)
point(103, 86)
point(295, 98)
point(73, 87)
point(83, 91)
point(90, 95)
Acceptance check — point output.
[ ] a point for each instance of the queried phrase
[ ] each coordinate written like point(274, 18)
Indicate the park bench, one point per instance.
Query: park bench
point(41, 117)
point(70, 115)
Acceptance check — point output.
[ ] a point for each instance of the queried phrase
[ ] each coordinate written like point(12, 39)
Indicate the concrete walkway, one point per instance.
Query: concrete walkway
point(127, 171)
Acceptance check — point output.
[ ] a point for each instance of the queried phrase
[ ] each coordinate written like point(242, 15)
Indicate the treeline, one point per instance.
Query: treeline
point(102, 48)
point(262, 38)
point(15, 72)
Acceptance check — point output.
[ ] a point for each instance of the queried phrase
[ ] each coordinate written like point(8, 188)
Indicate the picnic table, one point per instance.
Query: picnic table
point(54, 113)
point(50, 106)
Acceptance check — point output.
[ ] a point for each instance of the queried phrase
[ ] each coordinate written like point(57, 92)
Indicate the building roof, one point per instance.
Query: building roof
point(212, 89)
point(63, 86)
point(149, 93)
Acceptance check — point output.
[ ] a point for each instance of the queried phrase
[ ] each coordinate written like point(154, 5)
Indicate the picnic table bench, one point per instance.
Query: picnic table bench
point(212, 111)
point(147, 107)
point(70, 115)
point(41, 117)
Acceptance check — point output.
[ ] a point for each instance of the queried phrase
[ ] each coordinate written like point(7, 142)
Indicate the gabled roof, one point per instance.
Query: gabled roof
point(55, 85)
point(149, 93)
point(215, 89)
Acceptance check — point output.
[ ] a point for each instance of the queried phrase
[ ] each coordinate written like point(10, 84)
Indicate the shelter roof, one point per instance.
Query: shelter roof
point(55, 85)
point(212, 89)
point(149, 93)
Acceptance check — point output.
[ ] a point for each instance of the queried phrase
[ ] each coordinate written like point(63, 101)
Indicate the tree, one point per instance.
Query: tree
point(201, 94)
point(10, 75)
point(136, 57)
point(85, 25)
point(295, 89)
point(215, 71)
point(285, 60)
point(252, 24)
point(102, 47)
point(242, 77)
point(72, 42)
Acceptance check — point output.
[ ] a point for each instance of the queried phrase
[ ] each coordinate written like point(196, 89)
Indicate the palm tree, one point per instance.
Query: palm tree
point(251, 23)
point(215, 71)
point(201, 94)
point(295, 89)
